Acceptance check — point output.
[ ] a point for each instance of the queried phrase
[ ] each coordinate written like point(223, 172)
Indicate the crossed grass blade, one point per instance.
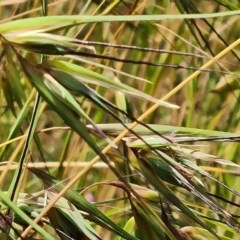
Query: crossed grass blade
point(88, 76)
point(190, 7)
point(7, 202)
point(68, 222)
point(63, 49)
point(36, 78)
point(69, 115)
point(191, 183)
point(153, 178)
point(148, 222)
point(81, 203)
point(149, 226)
point(52, 44)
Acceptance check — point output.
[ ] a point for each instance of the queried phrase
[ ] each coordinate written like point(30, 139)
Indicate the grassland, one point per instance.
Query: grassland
point(119, 119)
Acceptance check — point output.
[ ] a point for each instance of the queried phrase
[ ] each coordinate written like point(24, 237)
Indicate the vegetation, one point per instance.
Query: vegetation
point(119, 119)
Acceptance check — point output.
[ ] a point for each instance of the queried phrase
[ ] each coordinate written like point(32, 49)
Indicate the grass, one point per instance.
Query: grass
point(119, 120)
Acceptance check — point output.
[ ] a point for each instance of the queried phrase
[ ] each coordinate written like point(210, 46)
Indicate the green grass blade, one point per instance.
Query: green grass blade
point(115, 128)
point(67, 109)
point(14, 186)
point(56, 22)
point(45, 7)
point(16, 126)
point(87, 75)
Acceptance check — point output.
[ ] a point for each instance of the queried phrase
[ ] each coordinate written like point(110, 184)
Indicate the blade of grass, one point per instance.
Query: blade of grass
point(57, 22)
point(14, 187)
